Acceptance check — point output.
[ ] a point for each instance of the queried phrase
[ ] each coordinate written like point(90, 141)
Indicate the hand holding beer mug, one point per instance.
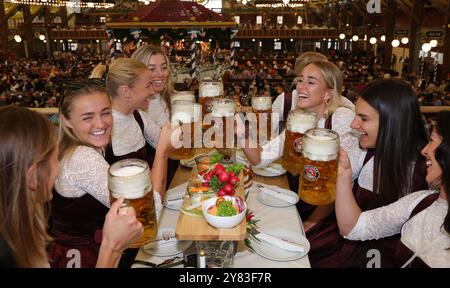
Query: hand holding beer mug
point(319, 165)
point(297, 123)
point(188, 116)
point(130, 179)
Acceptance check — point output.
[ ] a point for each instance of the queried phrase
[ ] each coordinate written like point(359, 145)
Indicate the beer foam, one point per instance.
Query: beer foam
point(185, 112)
point(183, 96)
point(300, 122)
point(261, 103)
point(320, 144)
point(129, 181)
point(210, 90)
point(222, 108)
point(127, 171)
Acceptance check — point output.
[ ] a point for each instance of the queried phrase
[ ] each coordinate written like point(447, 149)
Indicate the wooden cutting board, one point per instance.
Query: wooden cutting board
point(196, 228)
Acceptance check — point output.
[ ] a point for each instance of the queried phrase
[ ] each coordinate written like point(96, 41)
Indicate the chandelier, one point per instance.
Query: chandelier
point(68, 3)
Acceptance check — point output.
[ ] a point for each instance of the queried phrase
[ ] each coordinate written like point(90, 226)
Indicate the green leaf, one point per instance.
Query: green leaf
point(236, 168)
point(226, 209)
point(216, 157)
point(215, 183)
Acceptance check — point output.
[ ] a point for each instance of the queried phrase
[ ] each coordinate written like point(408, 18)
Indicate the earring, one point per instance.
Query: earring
point(327, 103)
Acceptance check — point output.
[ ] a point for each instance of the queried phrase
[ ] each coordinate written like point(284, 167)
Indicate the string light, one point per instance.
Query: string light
point(67, 3)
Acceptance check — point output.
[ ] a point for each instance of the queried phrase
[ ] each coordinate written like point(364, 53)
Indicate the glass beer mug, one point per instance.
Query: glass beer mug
point(130, 179)
point(262, 107)
point(209, 90)
point(188, 115)
point(222, 113)
point(297, 123)
point(319, 165)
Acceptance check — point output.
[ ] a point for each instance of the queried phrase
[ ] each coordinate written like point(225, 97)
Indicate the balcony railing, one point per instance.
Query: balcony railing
point(287, 33)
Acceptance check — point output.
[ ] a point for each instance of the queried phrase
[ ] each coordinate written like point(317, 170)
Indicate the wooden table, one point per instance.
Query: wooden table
point(196, 228)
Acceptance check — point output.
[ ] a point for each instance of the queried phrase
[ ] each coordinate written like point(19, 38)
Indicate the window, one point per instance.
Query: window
point(259, 20)
point(277, 45)
point(279, 19)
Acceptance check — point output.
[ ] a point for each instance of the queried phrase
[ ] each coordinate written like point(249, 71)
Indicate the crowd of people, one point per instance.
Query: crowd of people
point(122, 110)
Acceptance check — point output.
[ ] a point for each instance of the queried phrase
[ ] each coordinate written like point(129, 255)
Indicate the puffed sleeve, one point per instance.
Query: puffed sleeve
point(87, 171)
point(151, 129)
point(387, 220)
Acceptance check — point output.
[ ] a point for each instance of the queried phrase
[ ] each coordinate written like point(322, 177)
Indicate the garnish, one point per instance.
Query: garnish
point(235, 168)
point(226, 208)
point(251, 229)
point(216, 157)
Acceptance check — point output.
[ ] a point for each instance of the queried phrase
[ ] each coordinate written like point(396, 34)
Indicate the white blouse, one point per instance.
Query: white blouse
point(86, 172)
point(156, 116)
point(422, 234)
point(127, 135)
point(341, 120)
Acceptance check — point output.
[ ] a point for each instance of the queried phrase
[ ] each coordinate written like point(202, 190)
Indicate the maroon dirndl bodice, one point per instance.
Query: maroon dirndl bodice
point(330, 249)
point(76, 227)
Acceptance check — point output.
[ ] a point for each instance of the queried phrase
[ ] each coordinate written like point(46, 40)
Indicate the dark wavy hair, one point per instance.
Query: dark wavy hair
point(401, 136)
point(442, 156)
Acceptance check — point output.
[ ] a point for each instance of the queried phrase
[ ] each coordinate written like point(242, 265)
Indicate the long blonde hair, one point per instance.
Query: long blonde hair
point(123, 71)
point(143, 54)
point(27, 139)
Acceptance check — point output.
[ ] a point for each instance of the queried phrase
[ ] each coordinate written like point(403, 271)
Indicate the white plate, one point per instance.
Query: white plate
point(166, 248)
point(268, 200)
point(175, 193)
point(263, 172)
point(272, 252)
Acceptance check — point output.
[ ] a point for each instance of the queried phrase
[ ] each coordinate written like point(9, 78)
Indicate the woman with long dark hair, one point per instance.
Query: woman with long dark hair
point(390, 127)
point(422, 218)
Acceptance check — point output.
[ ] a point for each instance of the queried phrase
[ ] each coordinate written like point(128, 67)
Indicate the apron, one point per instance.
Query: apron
point(76, 223)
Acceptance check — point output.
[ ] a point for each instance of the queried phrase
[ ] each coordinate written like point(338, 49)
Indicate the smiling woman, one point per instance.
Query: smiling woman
point(422, 218)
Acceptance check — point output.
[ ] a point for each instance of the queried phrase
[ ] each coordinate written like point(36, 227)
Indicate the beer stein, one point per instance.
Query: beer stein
point(209, 90)
point(319, 165)
point(130, 179)
point(222, 112)
point(188, 116)
point(262, 107)
point(297, 123)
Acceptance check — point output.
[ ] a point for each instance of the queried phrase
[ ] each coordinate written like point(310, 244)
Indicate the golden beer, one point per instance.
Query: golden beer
point(297, 123)
point(319, 166)
point(188, 116)
point(130, 179)
point(262, 107)
point(223, 111)
point(208, 91)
